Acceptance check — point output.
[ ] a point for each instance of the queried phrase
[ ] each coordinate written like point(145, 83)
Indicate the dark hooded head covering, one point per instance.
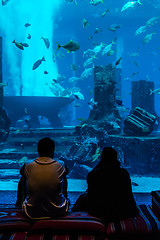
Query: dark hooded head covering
point(109, 157)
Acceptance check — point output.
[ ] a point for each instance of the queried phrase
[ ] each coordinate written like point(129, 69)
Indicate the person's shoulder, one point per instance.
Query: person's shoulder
point(125, 173)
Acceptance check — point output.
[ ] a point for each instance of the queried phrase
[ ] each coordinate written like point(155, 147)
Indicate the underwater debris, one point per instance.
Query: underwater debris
point(130, 4)
point(19, 45)
point(46, 41)
point(71, 46)
point(38, 63)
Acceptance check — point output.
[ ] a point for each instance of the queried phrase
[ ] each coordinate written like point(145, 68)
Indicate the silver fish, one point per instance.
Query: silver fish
point(46, 41)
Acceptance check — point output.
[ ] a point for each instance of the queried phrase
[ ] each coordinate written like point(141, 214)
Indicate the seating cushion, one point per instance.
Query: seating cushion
point(156, 202)
point(75, 221)
point(144, 223)
point(13, 219)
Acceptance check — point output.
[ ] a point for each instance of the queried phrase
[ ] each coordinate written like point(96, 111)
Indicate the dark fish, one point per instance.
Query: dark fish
point(71, 46)
point(118, 61)
point(37, 63)
point(27, 25)
point(45, 72)
point(25, 44)
point(19, 45)
point(4, 2)
point(46, 41)
point(29, 36)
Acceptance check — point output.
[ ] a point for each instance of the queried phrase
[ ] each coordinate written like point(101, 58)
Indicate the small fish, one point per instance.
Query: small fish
point(37, 63)
point(73, 67)
point(111, 52)
point(27, 24)
point(78, 95)
point(54, 57)
point(4, 2)
point(19, 45)
point(77, 105)
point(46, 41)
point(25, 44)
point(45, 72)
point(156, 91)
point(2, 85)
point(96, 155)
point(97, 30)
point(92, 103)
point(86, 73)
point(71, 46)
point(69, 1)
point(22, 160)
point(29, 36)
point(88, 62)
point(85, 23)
point(74, 79)
point(95, 2)
point(114, 27)
point(140, 30)
point(81, 119)
point(26, 110)
point(130, 4)
point(118, 61)
point(152, 21)
point(17, 131)
point(104, 13)
point(148, 37)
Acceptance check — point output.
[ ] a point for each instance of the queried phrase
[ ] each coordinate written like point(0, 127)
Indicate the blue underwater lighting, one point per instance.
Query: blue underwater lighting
point(26, 27)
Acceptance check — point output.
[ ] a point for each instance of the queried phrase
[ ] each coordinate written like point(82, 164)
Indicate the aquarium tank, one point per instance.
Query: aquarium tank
point(85, 73)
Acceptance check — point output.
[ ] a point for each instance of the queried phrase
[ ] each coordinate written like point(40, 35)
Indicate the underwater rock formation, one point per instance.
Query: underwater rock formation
point(104, 113)
point(139, 122)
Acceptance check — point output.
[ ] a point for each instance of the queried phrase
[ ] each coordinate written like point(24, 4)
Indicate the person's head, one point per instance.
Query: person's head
point(46, 147)
point(109, 156)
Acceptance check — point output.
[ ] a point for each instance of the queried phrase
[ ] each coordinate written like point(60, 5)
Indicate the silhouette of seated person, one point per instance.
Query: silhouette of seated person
point(109, 195)
point(43, 185)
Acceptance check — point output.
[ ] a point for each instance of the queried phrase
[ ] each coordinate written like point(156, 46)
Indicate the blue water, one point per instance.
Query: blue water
point(60, 21)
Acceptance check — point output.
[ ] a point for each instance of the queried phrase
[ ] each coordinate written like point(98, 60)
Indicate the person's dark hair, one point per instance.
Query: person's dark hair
point(109, 156)
point(46, 147)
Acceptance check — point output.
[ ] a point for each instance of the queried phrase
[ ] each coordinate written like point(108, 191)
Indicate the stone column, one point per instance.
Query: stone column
point(1, 89)
point(141, 95)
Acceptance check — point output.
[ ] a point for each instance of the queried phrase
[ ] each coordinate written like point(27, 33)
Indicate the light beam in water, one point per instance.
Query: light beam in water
point(22, 80)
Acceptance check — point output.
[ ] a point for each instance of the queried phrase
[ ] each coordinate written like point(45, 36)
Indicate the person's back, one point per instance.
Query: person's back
point(109, 189)
point(44, 183)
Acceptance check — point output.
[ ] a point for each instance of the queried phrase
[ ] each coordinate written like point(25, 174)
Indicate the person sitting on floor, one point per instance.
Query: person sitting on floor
point(109, 195)
point(46, 185)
